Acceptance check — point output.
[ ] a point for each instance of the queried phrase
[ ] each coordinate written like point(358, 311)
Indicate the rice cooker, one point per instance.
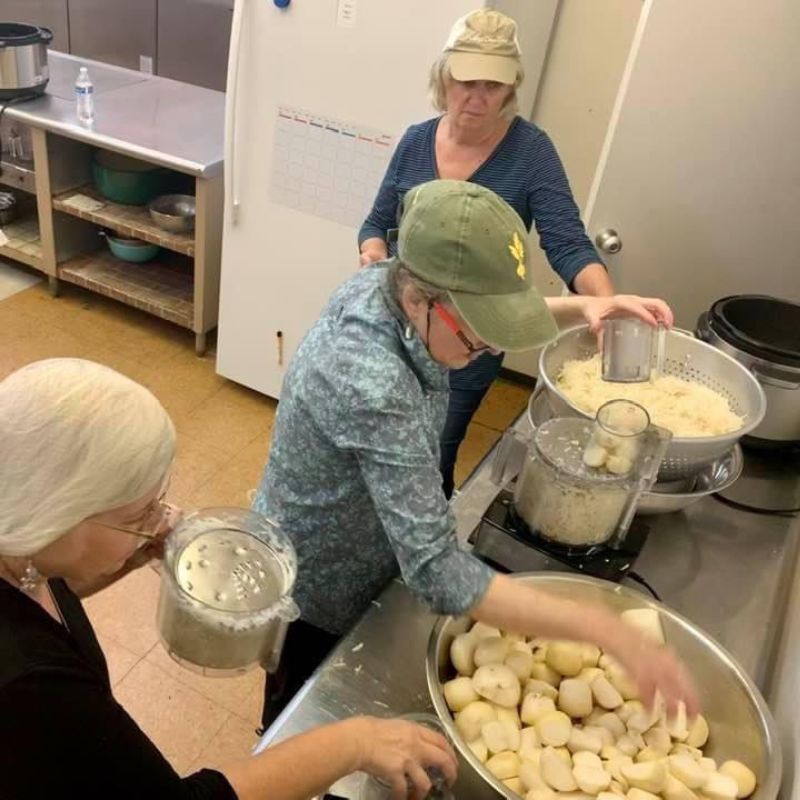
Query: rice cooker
point(23, 60)
point(763, 334)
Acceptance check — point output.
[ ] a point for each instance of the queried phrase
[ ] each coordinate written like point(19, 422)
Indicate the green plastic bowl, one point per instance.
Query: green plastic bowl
point(132, 250)
point(127, 181)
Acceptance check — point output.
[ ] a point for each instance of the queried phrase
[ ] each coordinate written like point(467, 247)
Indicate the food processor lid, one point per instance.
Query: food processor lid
point(763, 326)
point(561, 442)
point(229, 570)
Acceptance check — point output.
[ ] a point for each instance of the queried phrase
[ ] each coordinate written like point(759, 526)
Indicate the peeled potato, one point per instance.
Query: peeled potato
point(720, 787)
point(459, 693)
point(565, 658)
point(623, 683)
point(491, 650)
point(614, 768)
point(611, 722)
point(461, 653)
point(555, 773)
point(743, 775)
point(605, 736)
point(681, 749)
point(480, 630)
point(675, 790)
point(588, 674)
point(591, 654)
point(580, 740)
point(698, 732)
point(641, 794)
point(554, 729)
point(627, 745)
point(520, 661)
point(542, 793)
point(658, 739)
point(472, 718)
point(610, 752)
point(534, 707)
point(496, 682)
point(500, 735)
point(530, 775)
point(504, 765)
point(708, 764)
point(628, 709)
point(591, 779)
point(687, 771)
point(510, 715)
point(480, 749)
point(565, 755)
point(605, 694)
point(575, 697)
point(544, 672)
point(586, 759)
point(650, 776)
point(647, 620)
point(534, 686)
point(648, 754)
point(677, 726)
point(607, 796)
point(529, 746)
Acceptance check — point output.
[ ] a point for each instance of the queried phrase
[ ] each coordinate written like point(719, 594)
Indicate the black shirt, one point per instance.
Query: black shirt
point(62, 734)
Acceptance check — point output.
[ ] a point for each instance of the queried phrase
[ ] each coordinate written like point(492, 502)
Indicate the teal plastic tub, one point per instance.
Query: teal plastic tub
point(132, 250)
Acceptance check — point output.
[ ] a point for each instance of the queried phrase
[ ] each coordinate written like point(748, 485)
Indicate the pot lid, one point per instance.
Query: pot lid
point(763, 326)
point(15, 34)
point(229, 570)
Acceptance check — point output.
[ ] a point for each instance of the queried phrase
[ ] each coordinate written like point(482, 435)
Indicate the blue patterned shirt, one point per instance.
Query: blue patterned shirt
point(353, 473)
point(524, 170)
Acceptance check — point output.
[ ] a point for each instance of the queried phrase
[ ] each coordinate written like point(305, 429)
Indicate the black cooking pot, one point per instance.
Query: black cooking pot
point(763, 333)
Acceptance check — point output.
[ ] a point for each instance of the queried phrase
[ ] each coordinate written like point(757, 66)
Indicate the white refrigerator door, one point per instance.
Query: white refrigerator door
point(360, 62)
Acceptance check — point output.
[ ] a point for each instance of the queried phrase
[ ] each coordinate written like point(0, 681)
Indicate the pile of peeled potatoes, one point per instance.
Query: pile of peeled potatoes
point(555, 720)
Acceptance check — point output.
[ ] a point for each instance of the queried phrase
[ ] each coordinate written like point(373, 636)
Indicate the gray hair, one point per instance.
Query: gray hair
point(440, 76)
point(400, 278)
point(77, 439)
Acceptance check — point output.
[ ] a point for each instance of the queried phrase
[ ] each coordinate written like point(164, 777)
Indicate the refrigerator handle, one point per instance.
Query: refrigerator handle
point(231, 111)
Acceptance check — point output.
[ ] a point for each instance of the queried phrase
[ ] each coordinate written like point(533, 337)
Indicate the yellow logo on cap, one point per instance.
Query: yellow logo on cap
point(517, 250)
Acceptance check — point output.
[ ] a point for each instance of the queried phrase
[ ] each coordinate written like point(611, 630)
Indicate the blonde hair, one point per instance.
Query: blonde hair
point(76, 439)
point(440, 76)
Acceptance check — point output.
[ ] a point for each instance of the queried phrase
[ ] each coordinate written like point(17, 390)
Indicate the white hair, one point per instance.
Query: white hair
point(76, 439)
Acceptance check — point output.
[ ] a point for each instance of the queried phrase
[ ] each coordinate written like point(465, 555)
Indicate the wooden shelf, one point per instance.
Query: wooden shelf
point(163, 287)
point(24, 243)
point(131, 221)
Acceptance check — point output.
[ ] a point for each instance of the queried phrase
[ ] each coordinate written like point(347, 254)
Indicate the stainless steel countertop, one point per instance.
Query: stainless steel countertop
point(166, 122)
point(727, 570)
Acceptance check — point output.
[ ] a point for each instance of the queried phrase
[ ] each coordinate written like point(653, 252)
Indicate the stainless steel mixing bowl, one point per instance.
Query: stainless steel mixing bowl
point(686, 357)
point(741, 725)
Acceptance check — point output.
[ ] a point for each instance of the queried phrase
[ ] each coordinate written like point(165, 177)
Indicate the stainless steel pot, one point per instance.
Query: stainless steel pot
point(780, 382)
point(23, 60)
point(741, 725)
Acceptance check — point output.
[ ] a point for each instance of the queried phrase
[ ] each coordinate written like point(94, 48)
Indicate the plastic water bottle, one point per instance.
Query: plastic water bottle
point(84, 97)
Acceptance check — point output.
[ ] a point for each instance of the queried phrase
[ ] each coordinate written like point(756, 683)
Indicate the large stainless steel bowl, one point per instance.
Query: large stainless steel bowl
point(741, 724)
point(686, 357)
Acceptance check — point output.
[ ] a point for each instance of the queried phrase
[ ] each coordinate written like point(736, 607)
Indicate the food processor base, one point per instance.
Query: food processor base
point(505, 541)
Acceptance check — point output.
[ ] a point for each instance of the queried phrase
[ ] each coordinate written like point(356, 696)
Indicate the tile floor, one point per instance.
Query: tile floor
point(224, 432)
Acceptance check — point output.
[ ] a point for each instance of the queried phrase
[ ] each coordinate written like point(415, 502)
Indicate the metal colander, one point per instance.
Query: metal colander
point(688, 358)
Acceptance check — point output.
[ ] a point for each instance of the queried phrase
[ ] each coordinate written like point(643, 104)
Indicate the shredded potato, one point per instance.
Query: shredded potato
point(684, 407)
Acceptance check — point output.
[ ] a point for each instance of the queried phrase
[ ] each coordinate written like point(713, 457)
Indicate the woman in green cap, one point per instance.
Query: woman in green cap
point(353, 472)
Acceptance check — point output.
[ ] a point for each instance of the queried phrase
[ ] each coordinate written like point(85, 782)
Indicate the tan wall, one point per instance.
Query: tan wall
point(588, 50)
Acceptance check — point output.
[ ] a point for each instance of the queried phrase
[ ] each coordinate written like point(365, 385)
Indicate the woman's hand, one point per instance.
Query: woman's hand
point(657, 671)
point(648, 309)
point(399, 752)
point(373, 250)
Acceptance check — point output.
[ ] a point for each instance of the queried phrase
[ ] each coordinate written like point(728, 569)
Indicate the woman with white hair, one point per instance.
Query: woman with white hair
point(479, 137)
point(86, 457)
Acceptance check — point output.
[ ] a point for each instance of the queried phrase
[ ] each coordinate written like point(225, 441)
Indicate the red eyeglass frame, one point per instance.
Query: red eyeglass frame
point(448, 320)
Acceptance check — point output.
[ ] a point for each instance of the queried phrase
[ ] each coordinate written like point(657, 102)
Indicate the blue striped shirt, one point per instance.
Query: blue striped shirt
point(524, 170)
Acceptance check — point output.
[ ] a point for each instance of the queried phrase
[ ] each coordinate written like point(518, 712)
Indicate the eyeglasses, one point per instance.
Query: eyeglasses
point(448, 320)
point(149, 524)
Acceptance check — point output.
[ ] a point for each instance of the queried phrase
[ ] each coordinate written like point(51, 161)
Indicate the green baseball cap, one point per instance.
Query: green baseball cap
point(463, 238)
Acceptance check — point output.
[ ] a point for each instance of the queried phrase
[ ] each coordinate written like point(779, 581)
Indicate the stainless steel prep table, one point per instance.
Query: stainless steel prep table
point(727, 570)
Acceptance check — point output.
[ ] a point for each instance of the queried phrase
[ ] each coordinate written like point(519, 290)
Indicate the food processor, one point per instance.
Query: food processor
point(577, 485)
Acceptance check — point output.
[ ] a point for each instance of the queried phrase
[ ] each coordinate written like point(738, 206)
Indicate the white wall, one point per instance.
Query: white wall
point(588, 51)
